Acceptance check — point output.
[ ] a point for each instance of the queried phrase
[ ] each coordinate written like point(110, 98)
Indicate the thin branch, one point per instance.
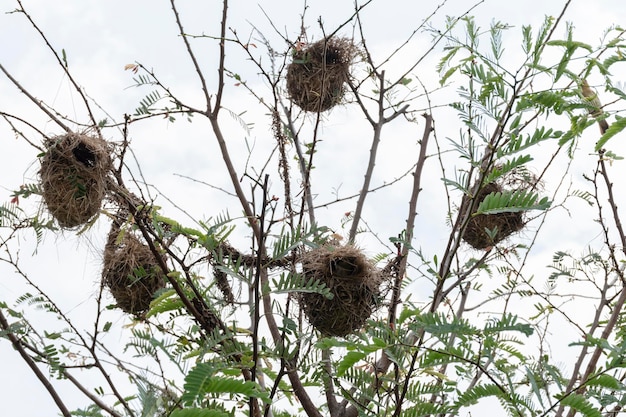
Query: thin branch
point(4, 324)
point(220, 71)
point(63, 65)
point(18, 132)
point(410, 223)
point(34, 100)
point(192, 56)
point(378, 126)
point(256, 295)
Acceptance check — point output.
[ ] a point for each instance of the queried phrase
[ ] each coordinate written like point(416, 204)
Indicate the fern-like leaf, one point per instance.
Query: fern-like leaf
point(147, 102)
point(349, 360)
point(426, 409)
point(512, 201)
point(508, 322)
point(605, 381)
point(199, 412)
point(581, 404)
point(202, 380)
point(507, 167)
point(292, 282)
point(476, 393)
point(616, 127)
point(167, 301)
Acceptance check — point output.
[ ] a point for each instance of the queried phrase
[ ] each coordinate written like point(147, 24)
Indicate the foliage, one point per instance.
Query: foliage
point(455, 330)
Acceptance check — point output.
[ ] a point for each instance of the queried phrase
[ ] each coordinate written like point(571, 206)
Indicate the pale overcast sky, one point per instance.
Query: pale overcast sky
point(100, 37)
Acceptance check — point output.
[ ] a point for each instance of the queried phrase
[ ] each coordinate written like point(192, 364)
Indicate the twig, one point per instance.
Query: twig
point(34, 100)
point(256, 295)
point(7, 116)
point(192, 56)
point(33, 366)
point(619, 303)
point(378, 126)
point(410, 223)
point(63, 65)
point(220, 71)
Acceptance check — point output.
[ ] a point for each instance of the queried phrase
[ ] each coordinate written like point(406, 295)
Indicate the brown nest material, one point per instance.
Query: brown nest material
point(353, 282)
point(503, 224)
point(318, 72)
point(73, 176)
point(131, 272)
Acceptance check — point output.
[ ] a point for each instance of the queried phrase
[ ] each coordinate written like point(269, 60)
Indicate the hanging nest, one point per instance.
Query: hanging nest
point(318, 72)
point(353, 282)
point(503, 224)
point(73, 176)
point(131, 272)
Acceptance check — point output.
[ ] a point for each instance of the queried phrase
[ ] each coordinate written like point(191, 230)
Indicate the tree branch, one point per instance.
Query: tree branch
point(4, 324)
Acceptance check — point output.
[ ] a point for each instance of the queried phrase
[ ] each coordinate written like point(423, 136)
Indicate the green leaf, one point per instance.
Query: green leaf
point(358, 353)
point(512, 201)
point(51, 336)
point(168, 300)
point(508, 322)
point(519, 143)
point(348, 361)
point(581, 404)
point(288, 241)
point(605, 381)
point(202, 380)
point(64, 57)
point(294, 282)
point(426, 409)
point(472, 395)
point(507, 167)
point(616, 127)
point(198, 412)
point(530, 376)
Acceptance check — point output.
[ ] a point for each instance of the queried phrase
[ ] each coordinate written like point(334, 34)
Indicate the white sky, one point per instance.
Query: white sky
point(101, 37)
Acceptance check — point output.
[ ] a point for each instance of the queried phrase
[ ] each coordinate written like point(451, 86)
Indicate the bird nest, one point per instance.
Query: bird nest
point(131, 272)
point(318, 72)
point(73, 176)
point(353, 282)
point(486, 230)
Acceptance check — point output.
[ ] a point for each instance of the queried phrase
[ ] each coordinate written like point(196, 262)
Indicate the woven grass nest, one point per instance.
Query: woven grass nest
point(130, 272)
point(354, 283)
point(318, 72)
point(504, 224)
point(73, 176)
